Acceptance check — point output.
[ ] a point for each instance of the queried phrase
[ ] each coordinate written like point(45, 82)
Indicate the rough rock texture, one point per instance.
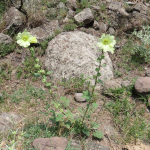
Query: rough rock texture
point(89, 145)
point(116, 83)
point(71, 4)
point(95, 146)
point(7, 120)
point(126, 83)
point(78, 97)
point(142, 85)
point(84, 16)
point(55, 143)
point(46, 30)
point(115, 5)
point(96, 25)
point(5, 38)
point(14, 17)
point(71, 54)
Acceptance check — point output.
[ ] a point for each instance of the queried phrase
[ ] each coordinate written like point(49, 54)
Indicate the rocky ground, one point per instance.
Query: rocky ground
point(67, 34)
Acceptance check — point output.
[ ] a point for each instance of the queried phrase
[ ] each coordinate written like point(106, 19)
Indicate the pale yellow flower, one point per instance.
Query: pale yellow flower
point(107, 43)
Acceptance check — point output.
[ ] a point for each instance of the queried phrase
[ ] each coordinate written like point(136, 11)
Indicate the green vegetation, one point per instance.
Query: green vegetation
point(5, 49)
point(58, 115)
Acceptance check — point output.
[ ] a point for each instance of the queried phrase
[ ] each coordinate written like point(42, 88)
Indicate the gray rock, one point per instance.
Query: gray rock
point(147, 73)
point(71, 4)
point(94, 146)
point(115, 5)
point(84, 16)
point(14, 17)
point(71, 13)
point(61, 5)
point(59, 143)
point(123, 12)
point(140, 7)
point(7, 120)
point(76, 145)
point(78, 97)
point(71, 54)
point(89, 145)
point(126, 83)
point(5, 38)
point(97, 8)
point(103, 27)
point(46, 30)
point(142, 85)
point(111, 31)
point(96, 25)
point(116, 83)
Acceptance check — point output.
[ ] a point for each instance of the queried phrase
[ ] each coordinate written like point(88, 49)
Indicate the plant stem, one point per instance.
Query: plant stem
point(93, 89)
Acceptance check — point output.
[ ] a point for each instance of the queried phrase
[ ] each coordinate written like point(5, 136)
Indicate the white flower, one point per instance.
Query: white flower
point(107, 43)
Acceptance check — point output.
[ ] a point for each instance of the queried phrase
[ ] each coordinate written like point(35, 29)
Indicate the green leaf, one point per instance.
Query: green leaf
point(103, 65)
point(94, 77)
point(97, 69)
point(86, 95)
point(59, 117)
point(54, 87)
point(98, 134)
point(98, 59)
point(69, 114)
point(68, 124)
point(102, 56)
point(95, 105)
point(98, 74)
point(49, 72)
point(100, 81)
point(36, 75)
point(63, 98)
point(88, 116)
point(86, 132)
point(95, 125)
point(48, 84)
point(88, 76)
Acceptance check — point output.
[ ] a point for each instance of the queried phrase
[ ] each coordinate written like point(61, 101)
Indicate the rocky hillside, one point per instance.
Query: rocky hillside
point(62, 91)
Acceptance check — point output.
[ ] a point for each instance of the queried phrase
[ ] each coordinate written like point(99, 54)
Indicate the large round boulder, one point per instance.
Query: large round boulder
point(71, 54)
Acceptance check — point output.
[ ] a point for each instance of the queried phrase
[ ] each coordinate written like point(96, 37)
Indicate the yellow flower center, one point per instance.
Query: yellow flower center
point(106, 42)
point(25, 38)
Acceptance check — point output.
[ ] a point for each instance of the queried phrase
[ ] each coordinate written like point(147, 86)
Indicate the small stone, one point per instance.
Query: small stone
point(7, 120)
point(142, 85)
point(112, 84)
point(5, 39)
point(78, 97)
point(71, 13)
point(95, 7)
point(76, 145)
point(61, 5)
point(111, 31)
point(126, 83)
point(84, 16)
point(59, 143)
point(123, 12)
point(94, 146)
point(103, 27)
point(115, 5)
point(96, 25)
point(147, 73)
point(71, 4)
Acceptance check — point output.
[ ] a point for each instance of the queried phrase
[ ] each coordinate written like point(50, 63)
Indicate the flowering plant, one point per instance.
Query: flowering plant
point(24, 39)
point(107, 43)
